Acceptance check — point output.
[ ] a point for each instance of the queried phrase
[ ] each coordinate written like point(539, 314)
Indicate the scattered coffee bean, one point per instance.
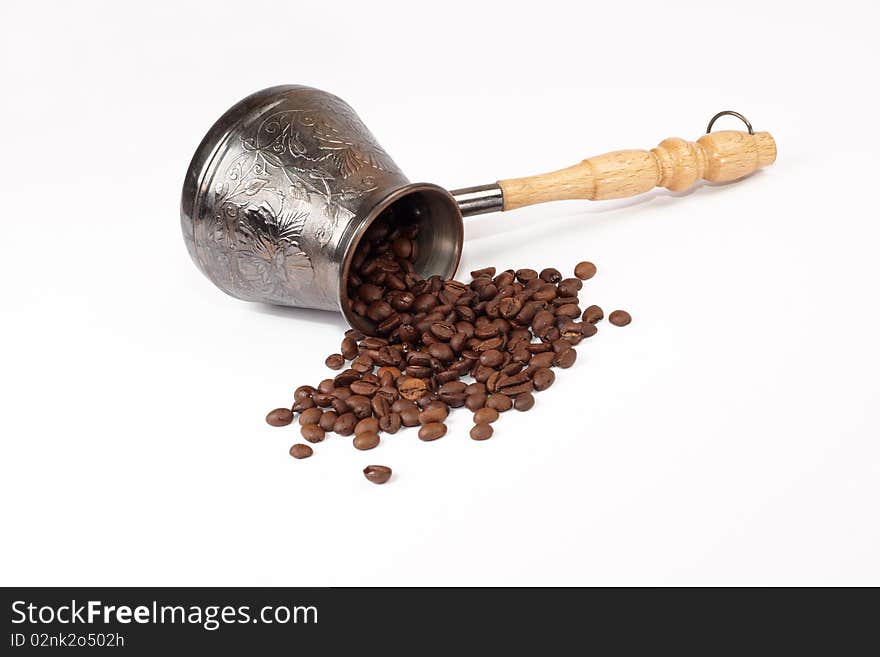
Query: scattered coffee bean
point(367, 424)
point(335, 361)
point(300, 451)
point(366, 440)
point(482, 431)
point(592, 314)
point(377, 474)
point(476, 401)
point(280, 417)
point(345, 424)
point(565, 359)
point(390, 423)
point(506, 329)
point(543, 378)
point(312, 432)
point(328, 420)
point(485, 415)
point(585, 270)
point(412, 388)
point(432, 431)
point(433, 414)
point(303, 404)
point(310, 416)
point(303, 392)
point(500, 402)
point(619, 318)
point(524, 401)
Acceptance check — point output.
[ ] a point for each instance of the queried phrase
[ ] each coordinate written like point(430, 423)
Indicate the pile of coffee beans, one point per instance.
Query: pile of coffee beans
point(506, 331)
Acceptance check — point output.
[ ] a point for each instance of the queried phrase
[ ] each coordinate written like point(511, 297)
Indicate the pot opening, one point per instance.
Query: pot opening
point(438, 242)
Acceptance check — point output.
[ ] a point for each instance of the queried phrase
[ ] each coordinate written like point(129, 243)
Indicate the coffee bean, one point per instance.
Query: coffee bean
point(365, 388)
point(432, 431)
point(476, 401)
point(569, 287)
point(433, 414)
point(345, 424)
point(526, 275)
point(424, 302)
point(569, 310)
point(543, 378)
point(367, 424)
point(485, 415)
point(369, 293)
point(391, 372)
point(442, 352)
point(482, 431)
point(487, 271)
point(509, 307)
point(312, 432)
point(300, 451)
point(491, 358)
point(390, 423)
point(363, 363)
point(402, 247)
point(542, 321)
point(328, 420)
point(401, 300)
point(361, 406)
point(412, 388)
point(585, 270)
point(323, 400)
point(377, 474)
point(565, 359)
point(409, 416)
point(550, 275)
point(546, 292)
point(379, 311)
point(443, 330)
point(310, 416)
point(380, 405)
point(542, 360)
point(524, 401)
point(619, 318)
point(346, 378)
point(280, 417)
point(303, 392)
point(453, 387)
point(366, 440)
point(500, 402)
point(302, 405)
point(514, 385)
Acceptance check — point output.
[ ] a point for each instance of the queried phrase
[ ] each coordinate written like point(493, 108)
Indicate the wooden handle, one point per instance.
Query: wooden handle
point(675, 164)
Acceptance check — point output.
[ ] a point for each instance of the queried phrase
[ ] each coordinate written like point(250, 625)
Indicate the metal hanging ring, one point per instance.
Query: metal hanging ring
point(731, 113)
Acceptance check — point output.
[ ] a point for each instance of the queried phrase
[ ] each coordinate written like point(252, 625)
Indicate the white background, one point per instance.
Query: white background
point(729, 435)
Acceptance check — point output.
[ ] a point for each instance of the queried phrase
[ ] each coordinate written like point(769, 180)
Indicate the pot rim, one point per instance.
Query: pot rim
point(376, 209)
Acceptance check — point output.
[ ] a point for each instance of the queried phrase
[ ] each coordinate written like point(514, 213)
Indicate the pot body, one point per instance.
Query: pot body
point(282, 187)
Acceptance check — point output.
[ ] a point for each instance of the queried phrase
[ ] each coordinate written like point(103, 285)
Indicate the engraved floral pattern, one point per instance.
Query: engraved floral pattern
point(281, 192)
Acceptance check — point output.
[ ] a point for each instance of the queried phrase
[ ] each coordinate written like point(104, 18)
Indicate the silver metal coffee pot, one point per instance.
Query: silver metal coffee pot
point(286, 182)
